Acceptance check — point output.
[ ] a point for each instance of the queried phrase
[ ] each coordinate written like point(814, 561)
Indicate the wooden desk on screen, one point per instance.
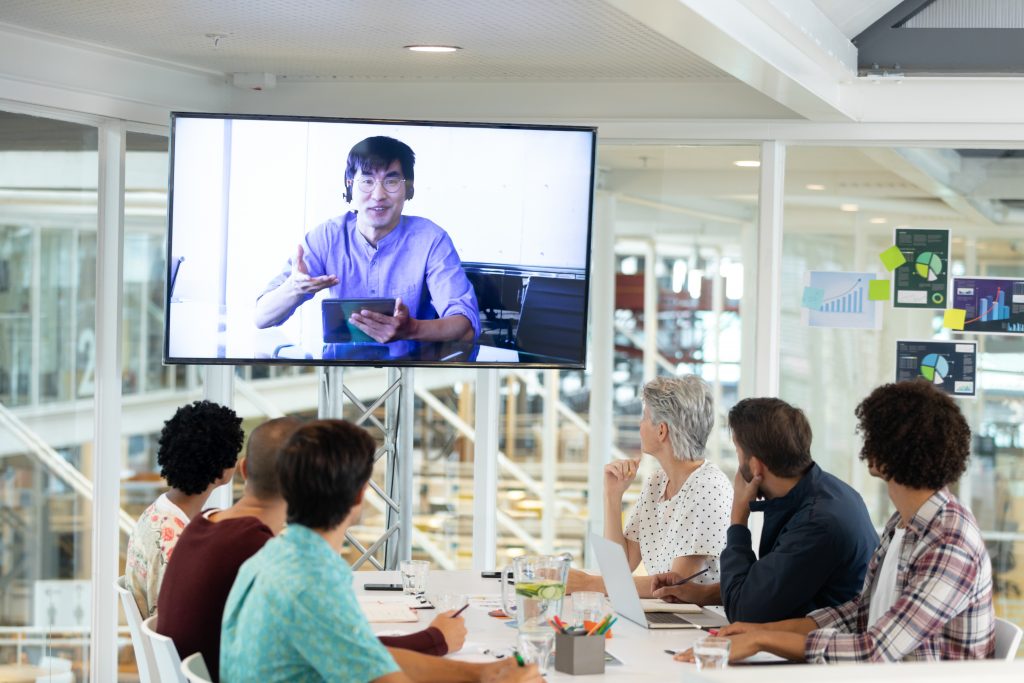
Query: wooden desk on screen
point(20, 673)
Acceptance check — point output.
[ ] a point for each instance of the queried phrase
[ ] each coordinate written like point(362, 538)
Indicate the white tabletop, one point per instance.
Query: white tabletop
point(987, 670)
point(641, 651)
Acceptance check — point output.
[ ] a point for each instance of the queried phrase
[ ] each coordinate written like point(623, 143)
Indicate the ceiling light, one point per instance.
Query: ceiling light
point(815, 186)
point(877, 221)
point(433, 48)
point(747, 163)
point(849, 208)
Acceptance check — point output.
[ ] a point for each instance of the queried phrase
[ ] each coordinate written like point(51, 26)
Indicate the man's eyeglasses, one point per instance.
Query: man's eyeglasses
point(391, 184)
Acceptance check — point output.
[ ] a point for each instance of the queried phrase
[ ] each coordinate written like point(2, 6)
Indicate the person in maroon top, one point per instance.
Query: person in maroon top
point(216, 543)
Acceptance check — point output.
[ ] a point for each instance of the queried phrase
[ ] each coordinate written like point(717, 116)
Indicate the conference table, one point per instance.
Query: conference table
point(642, 652)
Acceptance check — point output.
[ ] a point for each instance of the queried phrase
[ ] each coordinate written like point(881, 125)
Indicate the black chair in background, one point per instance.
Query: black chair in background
point(552, 320)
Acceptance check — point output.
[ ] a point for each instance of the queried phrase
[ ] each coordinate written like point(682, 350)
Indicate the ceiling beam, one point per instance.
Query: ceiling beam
point(799, 67)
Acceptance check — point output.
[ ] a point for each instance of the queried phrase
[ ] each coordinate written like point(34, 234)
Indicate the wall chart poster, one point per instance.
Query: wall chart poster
point(994, 305)
point(844, 301)
point(951, 366)
point(923, 281)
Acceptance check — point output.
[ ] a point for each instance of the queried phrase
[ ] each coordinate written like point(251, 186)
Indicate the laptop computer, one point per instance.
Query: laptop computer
point(618, 581)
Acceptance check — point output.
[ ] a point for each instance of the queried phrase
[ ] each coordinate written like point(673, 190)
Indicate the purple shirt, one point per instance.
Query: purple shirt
point(416, 261)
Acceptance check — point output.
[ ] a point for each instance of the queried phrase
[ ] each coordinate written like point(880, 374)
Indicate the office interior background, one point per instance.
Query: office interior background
point(741, 143)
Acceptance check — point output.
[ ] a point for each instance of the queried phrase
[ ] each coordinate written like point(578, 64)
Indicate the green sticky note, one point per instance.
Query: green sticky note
point(878, 290)
point(953, 318)
point(813, 296)
point(892, 258)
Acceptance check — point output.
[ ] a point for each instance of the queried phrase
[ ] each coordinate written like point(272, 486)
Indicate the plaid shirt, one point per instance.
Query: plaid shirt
point(943, 606)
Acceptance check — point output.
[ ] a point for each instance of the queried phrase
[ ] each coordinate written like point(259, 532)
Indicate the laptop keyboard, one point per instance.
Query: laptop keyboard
point(663, 618)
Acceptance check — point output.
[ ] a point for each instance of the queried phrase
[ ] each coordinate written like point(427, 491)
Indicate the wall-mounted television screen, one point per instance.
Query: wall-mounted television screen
point(369, 242)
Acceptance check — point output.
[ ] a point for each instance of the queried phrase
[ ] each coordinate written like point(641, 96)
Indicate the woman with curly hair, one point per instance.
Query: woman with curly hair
point(928, 590)
point(198, 449)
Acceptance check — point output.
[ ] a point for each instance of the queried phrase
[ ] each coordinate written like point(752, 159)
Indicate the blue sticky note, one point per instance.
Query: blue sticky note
point(813, 296)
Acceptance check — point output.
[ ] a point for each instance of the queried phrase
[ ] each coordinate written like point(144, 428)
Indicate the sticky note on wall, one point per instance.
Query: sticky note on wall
point(879, 290)
point(953, 319)
point(813, 297)
point(892, 258)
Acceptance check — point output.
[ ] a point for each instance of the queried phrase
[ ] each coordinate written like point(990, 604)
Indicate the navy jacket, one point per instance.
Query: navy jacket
point(815, 545)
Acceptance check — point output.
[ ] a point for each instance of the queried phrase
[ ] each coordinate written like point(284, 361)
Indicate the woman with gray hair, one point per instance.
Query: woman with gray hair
point(682, 513)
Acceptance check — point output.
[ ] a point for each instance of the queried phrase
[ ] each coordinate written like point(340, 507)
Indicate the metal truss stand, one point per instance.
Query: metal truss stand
point(395, 497)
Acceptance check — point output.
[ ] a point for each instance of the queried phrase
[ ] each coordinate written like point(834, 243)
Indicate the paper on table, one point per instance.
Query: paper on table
point(377, 610)
point(656, 605)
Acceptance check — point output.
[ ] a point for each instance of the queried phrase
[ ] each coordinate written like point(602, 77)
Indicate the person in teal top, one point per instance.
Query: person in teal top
point(292, 616)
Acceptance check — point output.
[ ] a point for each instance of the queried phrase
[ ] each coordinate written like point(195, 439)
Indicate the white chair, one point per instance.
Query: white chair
point(143, 651)
point(165, 654)
point(194, 668)
point(58, 670)
point(1008, 637)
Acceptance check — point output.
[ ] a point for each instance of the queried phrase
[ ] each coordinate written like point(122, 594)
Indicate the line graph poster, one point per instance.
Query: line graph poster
point(951, 366)
point(993, 305)
point(923, 281)
point(845, 302)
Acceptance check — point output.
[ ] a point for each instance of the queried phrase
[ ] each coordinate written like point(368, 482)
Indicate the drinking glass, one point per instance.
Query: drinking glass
point(414, 576)
point(711, 652)
point(587, 606)
point(448, 602)
point(536, 646)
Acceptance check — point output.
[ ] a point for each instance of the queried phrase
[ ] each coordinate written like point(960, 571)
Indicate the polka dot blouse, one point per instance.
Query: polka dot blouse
point(692, 522)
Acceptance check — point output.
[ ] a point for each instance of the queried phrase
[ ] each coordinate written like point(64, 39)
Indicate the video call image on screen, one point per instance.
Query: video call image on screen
point(378, 243)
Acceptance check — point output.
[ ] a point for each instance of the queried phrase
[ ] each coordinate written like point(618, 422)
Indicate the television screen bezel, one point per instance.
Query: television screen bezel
point(378, 363)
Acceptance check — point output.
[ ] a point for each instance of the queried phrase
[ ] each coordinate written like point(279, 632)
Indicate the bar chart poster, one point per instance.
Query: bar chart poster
point(994, 305)
point(845, 301)
point(951, 366)
point(923, 281)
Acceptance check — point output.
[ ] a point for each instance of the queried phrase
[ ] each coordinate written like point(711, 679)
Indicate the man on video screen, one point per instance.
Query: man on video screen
point(376, 252)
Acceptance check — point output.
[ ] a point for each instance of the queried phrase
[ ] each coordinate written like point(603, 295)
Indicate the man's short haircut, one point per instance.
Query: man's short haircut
point(322, 469)
point(376, 154)
point(197, 444)
point(685, 405)
point(774, 432)
point(265, 442)
point(914, 434)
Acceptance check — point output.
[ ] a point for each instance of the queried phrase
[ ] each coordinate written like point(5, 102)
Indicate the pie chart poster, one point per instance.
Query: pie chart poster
point(992, 305)
point(923, 281)
point(951, 366)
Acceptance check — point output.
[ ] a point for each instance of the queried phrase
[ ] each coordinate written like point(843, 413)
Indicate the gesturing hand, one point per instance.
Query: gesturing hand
point(302, 283)
point(619, 475)
point(385, 328)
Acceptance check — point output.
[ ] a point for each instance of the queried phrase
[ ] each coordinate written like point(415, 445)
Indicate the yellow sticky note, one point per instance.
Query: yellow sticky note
point(953, 318)
point(892, 258)
point(878, 290)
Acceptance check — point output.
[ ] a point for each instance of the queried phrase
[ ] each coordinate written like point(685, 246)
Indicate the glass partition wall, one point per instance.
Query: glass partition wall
point(841, 209)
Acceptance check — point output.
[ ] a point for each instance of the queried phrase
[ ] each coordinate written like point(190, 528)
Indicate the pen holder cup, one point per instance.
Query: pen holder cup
point(577, 655)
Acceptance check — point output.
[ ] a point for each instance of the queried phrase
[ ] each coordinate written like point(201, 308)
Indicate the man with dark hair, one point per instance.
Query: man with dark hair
point(817, 535)
point(376, 252)
point(291, 614)
point(216, 543)
point(197, 453)
point(928, 591)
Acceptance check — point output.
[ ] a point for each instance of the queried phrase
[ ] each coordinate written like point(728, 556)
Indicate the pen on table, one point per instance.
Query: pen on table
point(519, 658)
point(450, 356)
point(680, 582)
point(461, 610)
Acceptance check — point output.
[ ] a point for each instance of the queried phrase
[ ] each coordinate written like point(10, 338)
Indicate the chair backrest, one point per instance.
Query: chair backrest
point(143, 651)
point(194, 668)
point(1008, 637)
point(165, 654)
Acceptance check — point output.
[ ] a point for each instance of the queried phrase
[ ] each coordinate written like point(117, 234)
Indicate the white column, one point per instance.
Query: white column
point(485, 471)
point(650, 312)
point(602, 325)
point(769, 268)
point(331, 397)
point(549, 461)
point(107, 458)
point(219, 387)
point(748, 310)
point(717, 304)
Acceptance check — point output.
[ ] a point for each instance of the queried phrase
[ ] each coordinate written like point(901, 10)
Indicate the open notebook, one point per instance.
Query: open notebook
point(387, 609)
point(658, 605)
